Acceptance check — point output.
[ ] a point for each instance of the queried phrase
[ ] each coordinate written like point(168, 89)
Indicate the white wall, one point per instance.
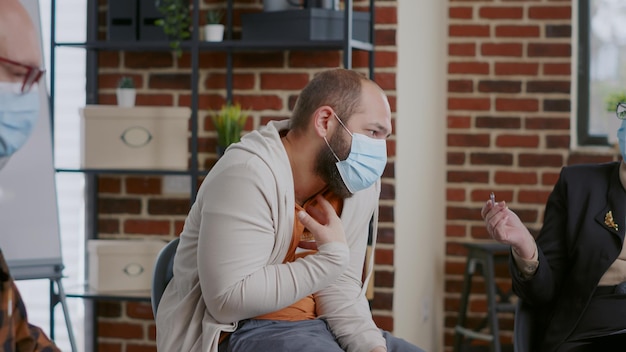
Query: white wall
point(420, 172)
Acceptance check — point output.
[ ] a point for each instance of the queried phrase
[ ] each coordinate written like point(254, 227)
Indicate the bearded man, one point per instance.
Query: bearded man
point(272, 252)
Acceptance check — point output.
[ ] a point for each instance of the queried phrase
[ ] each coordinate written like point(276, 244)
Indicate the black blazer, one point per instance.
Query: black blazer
point(575, 248)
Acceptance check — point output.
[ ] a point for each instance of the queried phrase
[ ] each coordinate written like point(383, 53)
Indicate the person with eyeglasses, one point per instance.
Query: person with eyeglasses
point(20, 61)
point(572, 276)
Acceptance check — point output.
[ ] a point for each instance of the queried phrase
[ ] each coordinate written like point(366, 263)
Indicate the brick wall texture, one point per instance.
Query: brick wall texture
point(509, 99)
point(509, 106)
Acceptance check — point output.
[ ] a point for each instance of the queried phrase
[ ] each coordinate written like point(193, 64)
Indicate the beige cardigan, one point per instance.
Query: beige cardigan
point(228, 265)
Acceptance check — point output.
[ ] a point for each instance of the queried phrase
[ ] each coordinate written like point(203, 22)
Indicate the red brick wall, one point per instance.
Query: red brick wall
point(509, 118)
point(267, 84)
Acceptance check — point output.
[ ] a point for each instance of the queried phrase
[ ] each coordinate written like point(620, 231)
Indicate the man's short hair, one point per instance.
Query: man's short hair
point(338, 88)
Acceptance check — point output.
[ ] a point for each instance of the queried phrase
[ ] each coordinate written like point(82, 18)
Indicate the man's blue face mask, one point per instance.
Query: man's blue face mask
point(18, 116)
point(365, 163)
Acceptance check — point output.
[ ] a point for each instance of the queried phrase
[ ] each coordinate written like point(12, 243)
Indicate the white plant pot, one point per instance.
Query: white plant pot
point(214, 32)
point(126, 97)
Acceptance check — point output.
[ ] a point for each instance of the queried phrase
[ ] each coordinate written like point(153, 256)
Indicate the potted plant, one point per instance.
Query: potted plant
point(176, 22)
point(229, 121)
point(613, 99)
point(613, 122)
point(126, 92)
point(213, 29)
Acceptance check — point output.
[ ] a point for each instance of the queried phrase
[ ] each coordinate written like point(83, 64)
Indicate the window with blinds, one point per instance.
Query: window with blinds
point(601, 69)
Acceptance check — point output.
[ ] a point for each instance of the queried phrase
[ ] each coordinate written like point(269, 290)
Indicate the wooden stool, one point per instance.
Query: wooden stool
point(483, 255)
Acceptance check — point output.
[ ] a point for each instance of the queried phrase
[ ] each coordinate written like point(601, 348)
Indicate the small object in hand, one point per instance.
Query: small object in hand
point(492, 197)
point(307, 241)
point(307, 236)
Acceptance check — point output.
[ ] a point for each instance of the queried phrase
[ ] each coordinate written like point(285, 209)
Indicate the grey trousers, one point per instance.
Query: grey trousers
point(300, 336)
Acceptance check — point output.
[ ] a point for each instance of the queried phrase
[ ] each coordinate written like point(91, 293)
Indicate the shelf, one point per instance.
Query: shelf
point(226, 45)
point(134, 171)
point(297, 45)
point(123, 45)
point(84, 291)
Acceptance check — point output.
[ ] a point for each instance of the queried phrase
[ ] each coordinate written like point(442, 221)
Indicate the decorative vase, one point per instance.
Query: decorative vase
point(214, 32)
point(126, 97)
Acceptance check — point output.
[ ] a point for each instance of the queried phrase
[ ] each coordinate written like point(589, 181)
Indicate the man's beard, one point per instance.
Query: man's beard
point(327, 170)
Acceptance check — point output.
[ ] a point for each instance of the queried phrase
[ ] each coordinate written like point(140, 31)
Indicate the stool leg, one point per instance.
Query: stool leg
point(489, 273)
point(467, 283)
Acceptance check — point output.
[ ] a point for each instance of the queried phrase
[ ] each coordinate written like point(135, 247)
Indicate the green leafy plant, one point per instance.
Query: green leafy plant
point(126, 82)
point(214, 16)
point(176, 22)
point(613, 99)
point(229, 121)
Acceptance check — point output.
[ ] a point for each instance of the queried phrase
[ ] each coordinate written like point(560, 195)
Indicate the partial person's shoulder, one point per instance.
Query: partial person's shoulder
point(588, 174)
point(591, 169)
point(265, 142)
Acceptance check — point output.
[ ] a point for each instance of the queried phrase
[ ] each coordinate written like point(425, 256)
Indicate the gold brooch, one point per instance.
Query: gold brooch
point(608, 220)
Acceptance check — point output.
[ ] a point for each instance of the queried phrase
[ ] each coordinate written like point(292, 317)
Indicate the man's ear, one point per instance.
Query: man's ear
point(322, 120)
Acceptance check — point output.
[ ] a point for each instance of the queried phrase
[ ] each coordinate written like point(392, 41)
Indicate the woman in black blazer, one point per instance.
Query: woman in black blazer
point(574, 274)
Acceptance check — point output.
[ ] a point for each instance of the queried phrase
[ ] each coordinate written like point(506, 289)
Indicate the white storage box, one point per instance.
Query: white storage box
point(122, 265)
point(142, 137)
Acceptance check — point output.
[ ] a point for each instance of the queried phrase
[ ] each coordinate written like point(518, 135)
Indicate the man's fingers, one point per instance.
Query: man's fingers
point(326, 206)
point(324, 210)
point(317, 214)
point(323, 222)
point(308, 221)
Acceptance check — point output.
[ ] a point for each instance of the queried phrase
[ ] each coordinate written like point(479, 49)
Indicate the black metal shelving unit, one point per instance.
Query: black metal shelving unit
point(194, 46)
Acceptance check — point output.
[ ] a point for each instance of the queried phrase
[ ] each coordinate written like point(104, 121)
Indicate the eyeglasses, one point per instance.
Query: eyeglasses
point(620, 111)
point(32, 75)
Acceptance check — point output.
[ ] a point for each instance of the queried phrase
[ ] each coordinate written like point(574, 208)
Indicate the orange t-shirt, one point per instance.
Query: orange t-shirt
point(303, 309)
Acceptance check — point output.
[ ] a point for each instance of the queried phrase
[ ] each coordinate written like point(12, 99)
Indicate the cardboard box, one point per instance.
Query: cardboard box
point(152, 138)
point(122, 265)
point(302, 25)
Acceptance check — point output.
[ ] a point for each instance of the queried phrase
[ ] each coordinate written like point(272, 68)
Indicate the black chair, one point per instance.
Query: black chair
point(522, 328)
point(482, 259)
point(163, 272)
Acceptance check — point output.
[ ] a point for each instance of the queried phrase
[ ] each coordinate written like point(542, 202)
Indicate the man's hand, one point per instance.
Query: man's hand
point(323, 222)
point(379, 349)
